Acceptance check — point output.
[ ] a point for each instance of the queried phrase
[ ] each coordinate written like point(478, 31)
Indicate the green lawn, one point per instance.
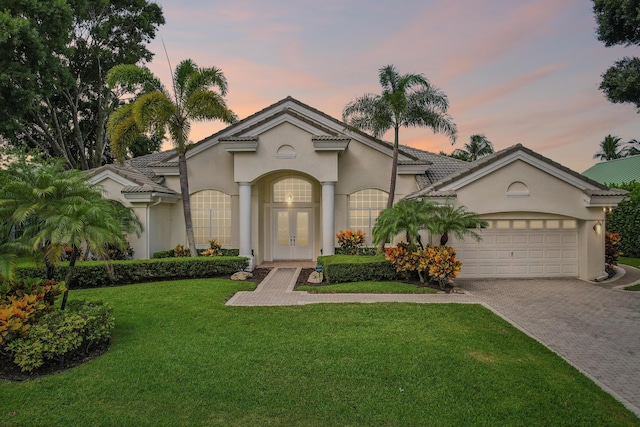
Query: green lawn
point(180, 357)
point(635, 262)
point(368, 288)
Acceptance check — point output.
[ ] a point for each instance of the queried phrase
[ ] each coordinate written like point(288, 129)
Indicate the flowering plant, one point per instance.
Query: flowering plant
point(437, 263)
point(181, 251)
point(350, 241)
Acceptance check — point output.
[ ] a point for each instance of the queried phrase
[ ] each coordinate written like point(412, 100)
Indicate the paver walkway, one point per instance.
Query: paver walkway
point(595, 327)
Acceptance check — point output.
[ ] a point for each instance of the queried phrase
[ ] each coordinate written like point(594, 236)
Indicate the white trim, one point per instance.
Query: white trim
point(109, 174)
point(527, 158)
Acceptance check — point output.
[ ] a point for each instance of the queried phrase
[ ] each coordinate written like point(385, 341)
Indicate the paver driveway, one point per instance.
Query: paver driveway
point(593, 327)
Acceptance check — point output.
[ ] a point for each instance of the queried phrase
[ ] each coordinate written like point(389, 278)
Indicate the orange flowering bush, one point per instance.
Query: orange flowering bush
point(443, 264)
point(436, 263)
point(350, 241)
point(22, 303)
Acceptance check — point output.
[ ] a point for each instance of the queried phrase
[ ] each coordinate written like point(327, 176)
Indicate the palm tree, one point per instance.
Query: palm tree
point(157, 111)
point(406, 100)
point(633, 147)
point(610, 149)
point(478, 146)
point(406, 216)
point(56, 208)
point(458, 221)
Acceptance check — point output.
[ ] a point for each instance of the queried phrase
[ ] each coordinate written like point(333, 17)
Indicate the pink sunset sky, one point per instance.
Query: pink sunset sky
point(518, 71)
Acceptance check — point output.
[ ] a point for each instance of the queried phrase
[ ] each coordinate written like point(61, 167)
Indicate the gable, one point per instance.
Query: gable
point(521, 187)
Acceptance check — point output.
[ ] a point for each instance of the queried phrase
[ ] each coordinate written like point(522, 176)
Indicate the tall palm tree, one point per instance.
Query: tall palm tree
point(458, 221)
point(610, 149)
point(56, 208)
point(633, 147)
point(478, 146)
point(157, 111)
point(406, 216)
point(406, 100)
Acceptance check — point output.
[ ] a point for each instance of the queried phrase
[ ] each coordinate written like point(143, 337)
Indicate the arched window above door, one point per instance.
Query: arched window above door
point(292, 190)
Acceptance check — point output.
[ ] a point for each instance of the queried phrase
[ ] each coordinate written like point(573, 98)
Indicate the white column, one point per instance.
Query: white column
point(245, 222)
point(328, 220)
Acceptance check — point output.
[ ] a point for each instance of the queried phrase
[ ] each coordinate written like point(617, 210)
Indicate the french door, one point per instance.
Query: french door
point(292, 234)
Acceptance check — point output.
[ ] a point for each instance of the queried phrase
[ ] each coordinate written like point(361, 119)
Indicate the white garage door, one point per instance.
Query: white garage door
point(521, 248)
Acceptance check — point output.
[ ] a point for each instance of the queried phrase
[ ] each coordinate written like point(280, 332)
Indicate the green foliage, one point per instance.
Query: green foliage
point(459, 222)
point(54, 63)
point(170, 253)
point(180, 251)
point(63, 334)
point(354, 268)
point(95, 274)
point(215, 249)
point(625, 220)
point(478, 146)
point(405, 216)
point(434, 263)
point(407, 100)
point(198, 94)
point(611, 250)
point(619, 23)
point(362, 251)
point(22, 303)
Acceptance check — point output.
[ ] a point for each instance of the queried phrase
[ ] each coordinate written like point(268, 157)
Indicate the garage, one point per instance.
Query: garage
point(521, 248)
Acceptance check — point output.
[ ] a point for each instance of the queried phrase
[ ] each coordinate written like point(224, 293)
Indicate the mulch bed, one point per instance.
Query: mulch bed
point(11, 372)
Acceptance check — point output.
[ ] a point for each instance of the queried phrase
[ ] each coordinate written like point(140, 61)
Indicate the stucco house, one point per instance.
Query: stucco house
point(281, 183)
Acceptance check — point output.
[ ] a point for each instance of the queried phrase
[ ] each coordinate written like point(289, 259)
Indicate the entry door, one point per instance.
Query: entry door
point(292, 234)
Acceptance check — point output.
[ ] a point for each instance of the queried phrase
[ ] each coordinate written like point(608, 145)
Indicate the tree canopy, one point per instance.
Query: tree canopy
point(56, 54)
point(619, 24)
point(478, 146)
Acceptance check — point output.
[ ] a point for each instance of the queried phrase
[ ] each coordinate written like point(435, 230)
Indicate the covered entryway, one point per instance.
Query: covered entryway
point(293, 234)
point(521, 248)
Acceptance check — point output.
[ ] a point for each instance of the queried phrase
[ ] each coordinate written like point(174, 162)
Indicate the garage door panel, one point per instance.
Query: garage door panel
point(502, 239)
point(520, 253)
point(519, 239)
point(536, 239)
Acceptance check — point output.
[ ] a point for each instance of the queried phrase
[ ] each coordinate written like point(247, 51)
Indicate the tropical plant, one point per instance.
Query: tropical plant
point(407, 100)
point(54, 209)
point(406, 216)
point(459, 222)
point(350, 241)
point(610, 148)
point(478, 146)
point(155, 110)
point(625, 220)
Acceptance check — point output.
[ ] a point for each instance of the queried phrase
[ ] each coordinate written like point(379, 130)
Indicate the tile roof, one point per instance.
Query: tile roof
point(616, 171)
point(143, 182)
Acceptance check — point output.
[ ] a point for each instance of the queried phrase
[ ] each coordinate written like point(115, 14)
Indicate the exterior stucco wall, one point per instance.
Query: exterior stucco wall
point(250, 166)
point(548, 197)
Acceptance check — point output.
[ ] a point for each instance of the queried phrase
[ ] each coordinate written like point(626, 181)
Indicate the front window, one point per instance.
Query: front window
point(364, 208)
point(211, 214)
point(292, 190)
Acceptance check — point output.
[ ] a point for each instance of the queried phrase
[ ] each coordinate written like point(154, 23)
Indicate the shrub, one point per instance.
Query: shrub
point(611, 250)
point(625, 220)
point(353, 268)
point(94, 274)
point(350, 241)
point(181, 251)
point(435, 263)
point(22, 303)
point(362, 251)
point(62, 334)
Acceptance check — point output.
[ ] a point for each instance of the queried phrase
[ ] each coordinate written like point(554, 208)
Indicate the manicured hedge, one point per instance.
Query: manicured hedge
point(625, 220)
point(359, 251)
point(95, 274)
point(356, 268)
point(169, 253)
